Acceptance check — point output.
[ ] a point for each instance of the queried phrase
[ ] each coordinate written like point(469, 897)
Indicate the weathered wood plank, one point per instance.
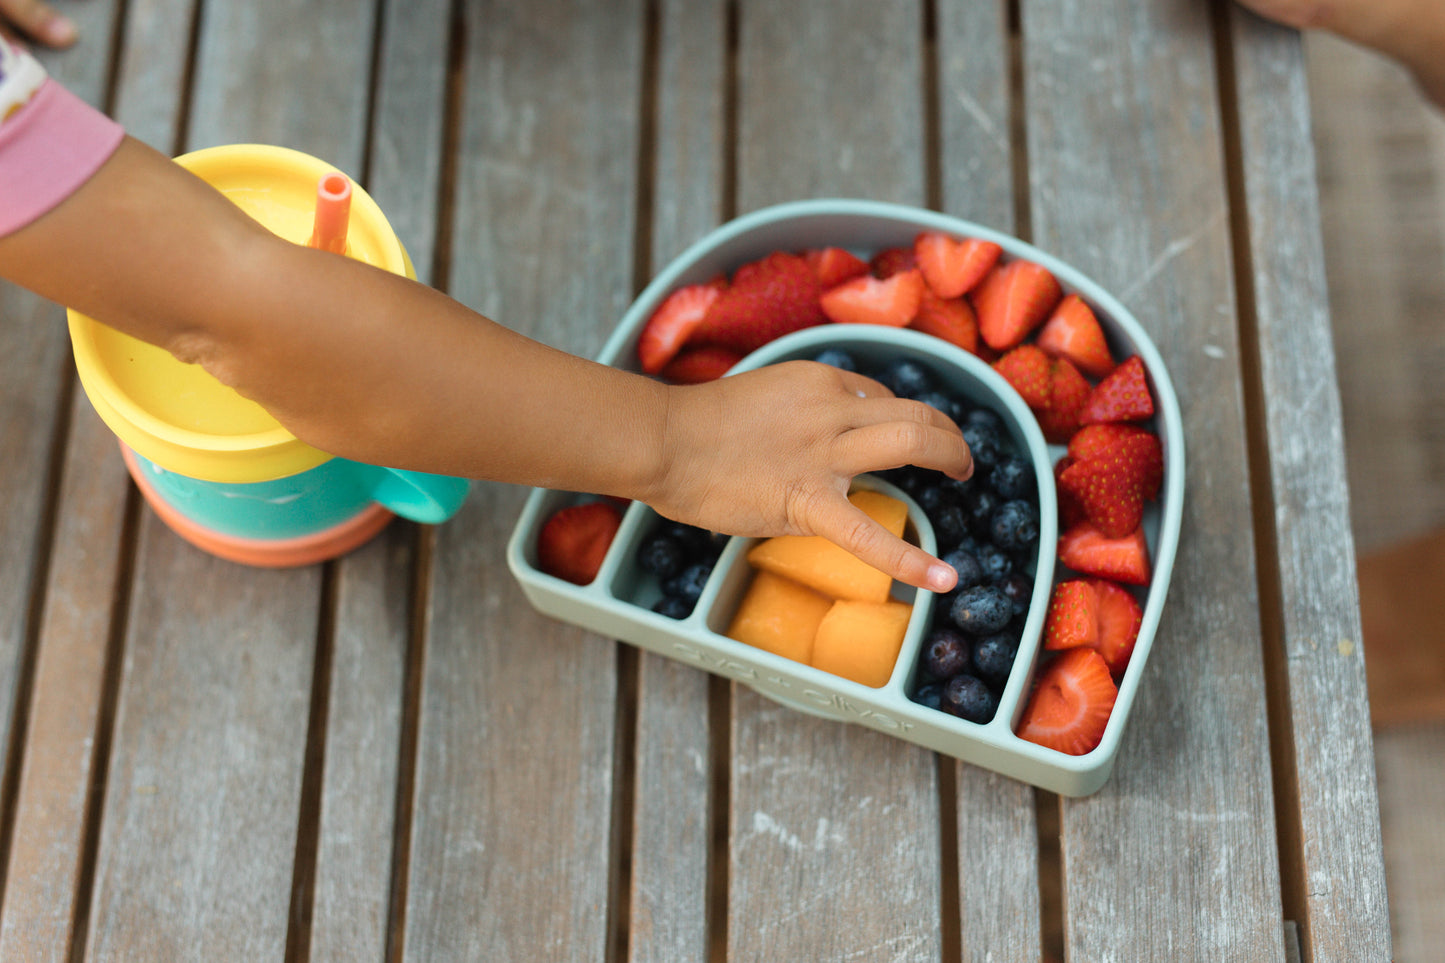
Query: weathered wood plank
point(1334, 861)
point(997, 832)
point(201, 812)
point(668, 903)
point(47, 838)
point(834, 830)
point(1176, 856)
point(374, 586)
point(514, 771)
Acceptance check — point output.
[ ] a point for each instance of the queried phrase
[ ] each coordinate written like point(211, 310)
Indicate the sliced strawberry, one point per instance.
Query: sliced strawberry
point(891, 301)
point(1136, 449)
point(1073, 332)
point(1109, 495)
point(1012, 300)
point(1070, 511)
point(693, 366)
point(1122, 396)
point(1027, 369)
point(892, 260)
point(1073, 618)
point(1085, 549)
point(1119, 619)
point(953, 266)
point(951, 319)
point(1068, 391)
point(1071, 701)
point(767, 299)
point(673, 323)
point(834, 265)
point(574, 540)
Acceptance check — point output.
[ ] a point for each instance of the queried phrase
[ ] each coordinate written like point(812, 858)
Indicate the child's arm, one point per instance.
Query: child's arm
point(369, 365)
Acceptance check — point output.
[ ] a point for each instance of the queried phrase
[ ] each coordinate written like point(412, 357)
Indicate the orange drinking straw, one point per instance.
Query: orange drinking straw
point(333, 210)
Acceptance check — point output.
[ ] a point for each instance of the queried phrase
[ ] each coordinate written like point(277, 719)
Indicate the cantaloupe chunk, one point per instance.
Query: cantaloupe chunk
point(779, 615)
point(819, 564)
point(860, 640)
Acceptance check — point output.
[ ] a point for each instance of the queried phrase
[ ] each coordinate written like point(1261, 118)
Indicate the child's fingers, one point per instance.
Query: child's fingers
point(37, 20)
point(891, 444)
point(849, 528)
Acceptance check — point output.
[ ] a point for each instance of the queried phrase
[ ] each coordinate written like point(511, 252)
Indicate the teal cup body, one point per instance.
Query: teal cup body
point(307, 503)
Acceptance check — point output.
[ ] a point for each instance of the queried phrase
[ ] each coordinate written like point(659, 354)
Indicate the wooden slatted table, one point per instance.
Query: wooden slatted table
point(393, 757)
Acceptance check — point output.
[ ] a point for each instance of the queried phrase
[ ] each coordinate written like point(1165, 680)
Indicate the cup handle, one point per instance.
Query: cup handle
point(419, 496)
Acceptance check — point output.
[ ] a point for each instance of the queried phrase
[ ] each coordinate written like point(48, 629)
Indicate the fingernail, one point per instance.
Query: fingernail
point(941, 577)
point(59, 30)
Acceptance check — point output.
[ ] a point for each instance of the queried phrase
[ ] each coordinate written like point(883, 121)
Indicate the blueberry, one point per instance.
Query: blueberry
point(988, 418)
point(696, 542)
point(950, 525)
point(688, 583)
point(968, 698)
point(965, 563)
point(997, 564)
point(945, 653)
point(906, 378)
point(947, 404)
point(978, 508)
point(1011, 477)
point(993, 658)
point(956, 488)
point(838, 358)
point(983, 443)
point(1020, 590)
point(981, 610)
point(661, 555)
point(930, 695)
point(932, 498)
point(673, 606)
point(1014, 525)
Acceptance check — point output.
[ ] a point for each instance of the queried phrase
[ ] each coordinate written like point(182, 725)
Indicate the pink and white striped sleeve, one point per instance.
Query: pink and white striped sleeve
point(51, 141)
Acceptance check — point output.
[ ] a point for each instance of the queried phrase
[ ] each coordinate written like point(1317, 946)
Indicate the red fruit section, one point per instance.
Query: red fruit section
point(574, 540)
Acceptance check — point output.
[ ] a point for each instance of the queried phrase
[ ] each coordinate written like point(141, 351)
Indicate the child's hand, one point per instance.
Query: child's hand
point(33, 19)
point(774, 451)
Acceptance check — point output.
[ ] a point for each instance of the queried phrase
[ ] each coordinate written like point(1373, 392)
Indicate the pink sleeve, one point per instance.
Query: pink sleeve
point(48, 148)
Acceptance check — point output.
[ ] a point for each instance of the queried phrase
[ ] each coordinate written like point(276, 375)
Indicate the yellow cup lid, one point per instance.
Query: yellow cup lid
point(178, 415)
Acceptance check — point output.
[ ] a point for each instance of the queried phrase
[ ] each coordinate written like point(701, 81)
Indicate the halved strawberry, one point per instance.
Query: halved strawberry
point(1068, 391)
point(1012, 300)
point(1073, 618)
point(1122, 396)
point(1119, 619)
point(767, 299)
point(892, 260)
point(953, 266)
point(951, 319)
point(1085, 549)
point(674, 322)
point(1070, 511)
point(1071, 701)
point(693, 366)
point(1136, 449)
point(1027, 369)
point(891, 301)
point(1073, 332)
point(1108, 492)
point(834, 265)
point(574, 540)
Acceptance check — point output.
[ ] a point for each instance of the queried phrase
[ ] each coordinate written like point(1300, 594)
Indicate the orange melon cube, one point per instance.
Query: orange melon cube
point(779, 615)
point(821, 565)
point(860, 640)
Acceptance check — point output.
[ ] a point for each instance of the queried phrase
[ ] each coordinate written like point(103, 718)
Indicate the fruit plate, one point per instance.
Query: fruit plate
point(618, 601)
